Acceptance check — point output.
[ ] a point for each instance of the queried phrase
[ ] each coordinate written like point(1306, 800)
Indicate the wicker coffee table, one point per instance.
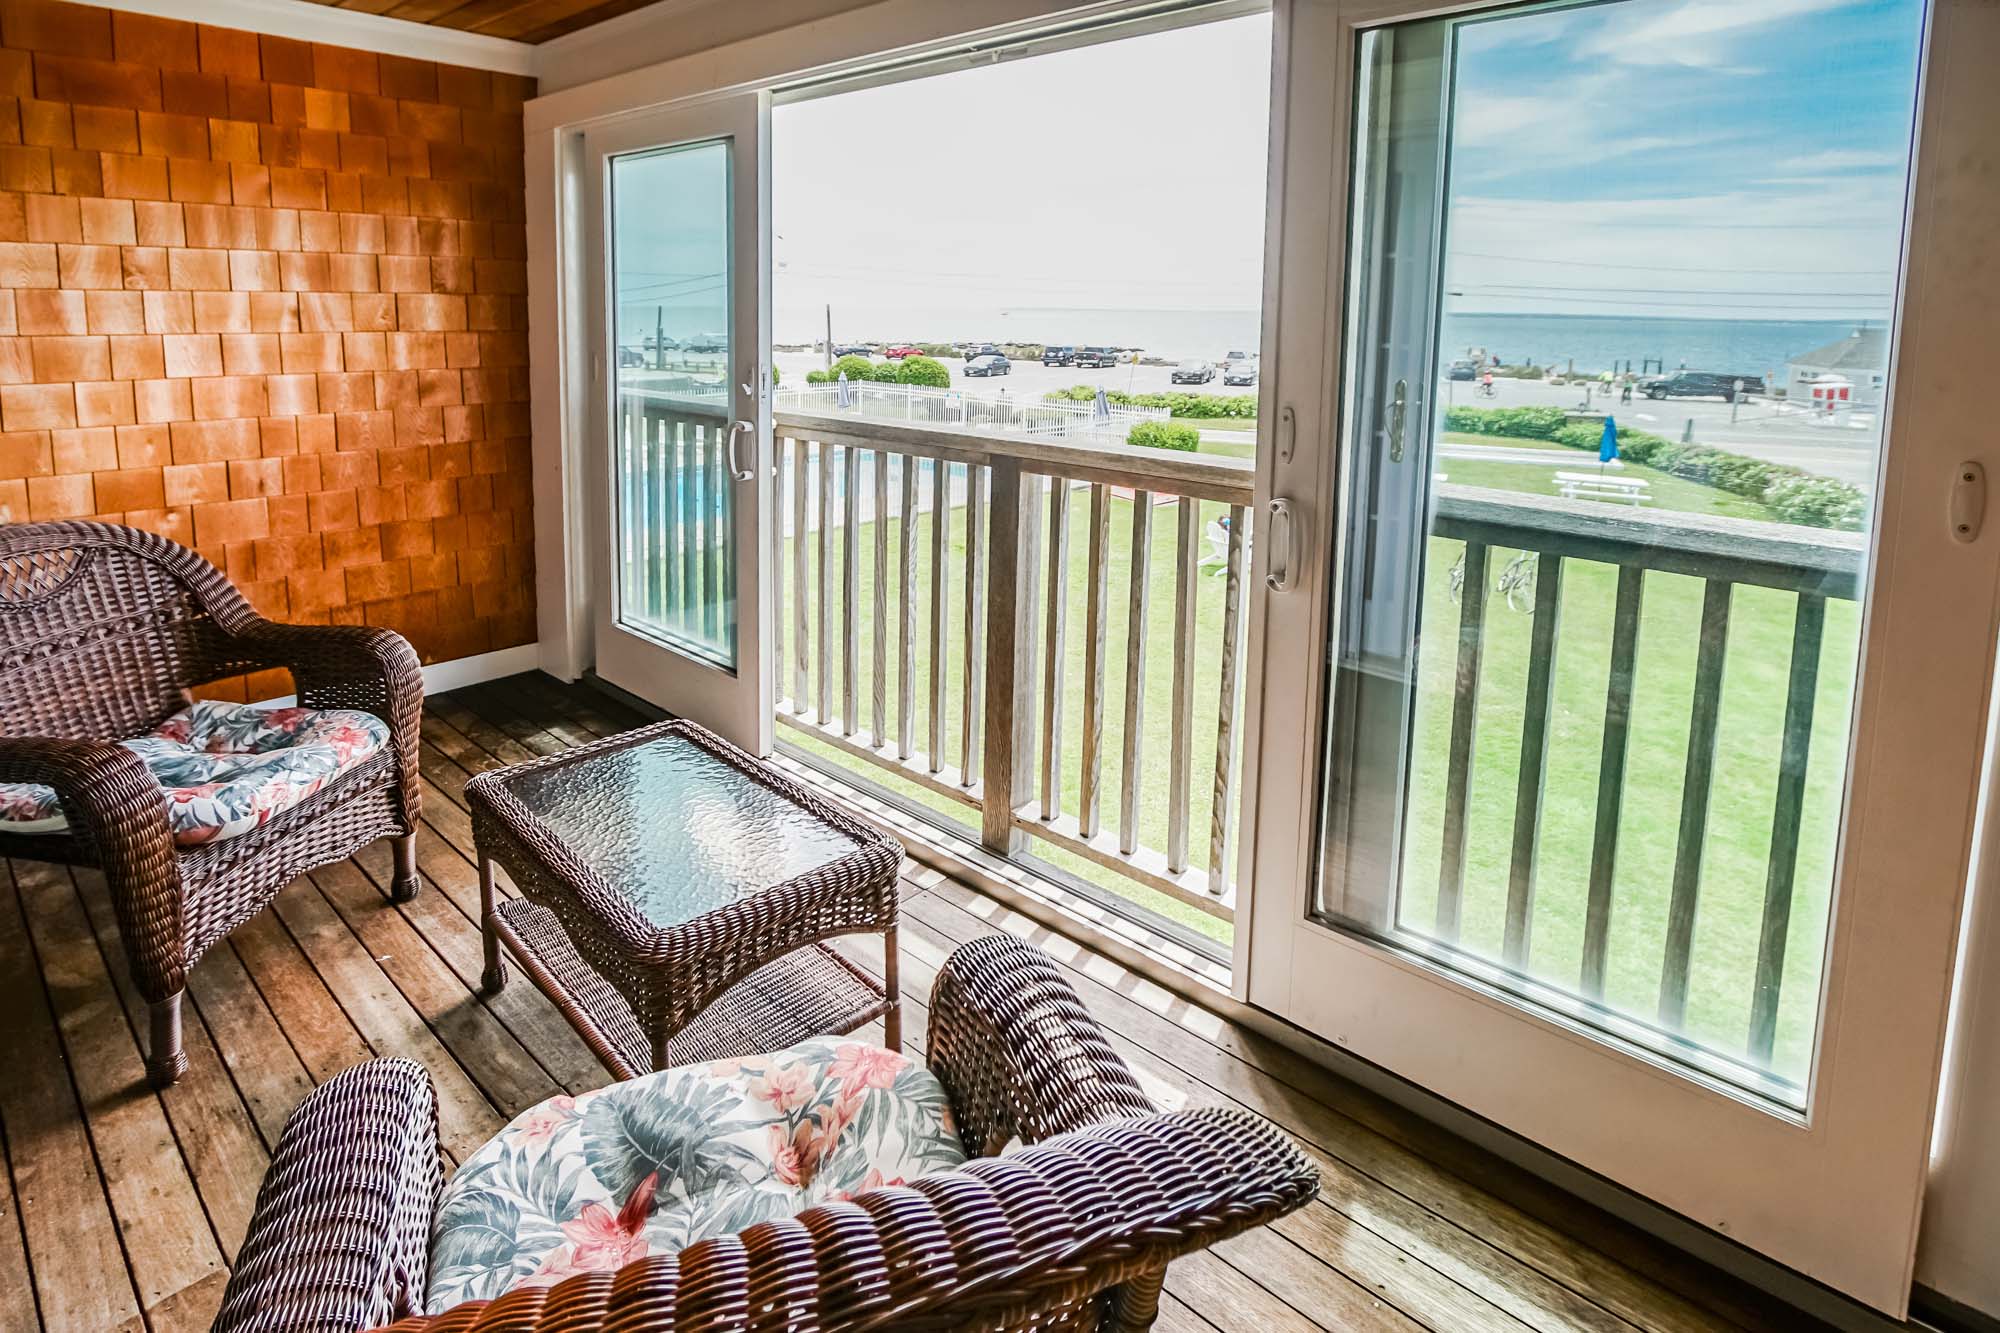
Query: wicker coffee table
point(675, 896)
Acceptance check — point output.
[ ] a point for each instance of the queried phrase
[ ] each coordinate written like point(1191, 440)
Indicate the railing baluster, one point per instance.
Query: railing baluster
point(1695, 785)
point(878, 736)
point(1611, 777)
point(1808, 628)
point(709, 457)
point(1464, 734)
point(906, 688)
point(940, 604)
point(972, 695)
point(1052, 672)
point(719, 615)
point(1096, 612)
point(683, 495)
point(823, 656)
point(801, 455)
point(1180, 795)
point(850, 582)
point(1534, 760)
point(1223, 807)
point(1135, 671)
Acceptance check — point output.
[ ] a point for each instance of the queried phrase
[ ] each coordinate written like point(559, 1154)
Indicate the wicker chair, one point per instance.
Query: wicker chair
point(103, 630)
point(1074, 1232)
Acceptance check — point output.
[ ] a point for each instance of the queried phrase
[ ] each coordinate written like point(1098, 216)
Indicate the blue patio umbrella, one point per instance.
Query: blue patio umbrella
point(846, 398)
point(1100, 407)
point(1607, 448)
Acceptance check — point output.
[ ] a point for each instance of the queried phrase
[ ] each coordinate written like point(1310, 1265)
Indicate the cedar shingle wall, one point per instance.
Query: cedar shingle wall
point(268, 298)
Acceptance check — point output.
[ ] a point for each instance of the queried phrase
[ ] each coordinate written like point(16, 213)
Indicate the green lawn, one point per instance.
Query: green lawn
point(1733, 870)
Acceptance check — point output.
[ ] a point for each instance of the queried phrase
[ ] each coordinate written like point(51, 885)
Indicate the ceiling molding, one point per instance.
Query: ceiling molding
point(346, 27)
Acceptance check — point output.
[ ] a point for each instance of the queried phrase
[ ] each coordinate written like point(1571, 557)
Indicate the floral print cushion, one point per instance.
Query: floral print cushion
point(594, 1182)
point(224, 768)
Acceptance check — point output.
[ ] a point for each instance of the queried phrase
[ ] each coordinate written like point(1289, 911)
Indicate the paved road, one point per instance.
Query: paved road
point(1760, 429)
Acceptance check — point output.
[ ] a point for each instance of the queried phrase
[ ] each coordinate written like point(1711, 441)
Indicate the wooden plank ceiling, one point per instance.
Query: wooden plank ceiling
point(518, 20)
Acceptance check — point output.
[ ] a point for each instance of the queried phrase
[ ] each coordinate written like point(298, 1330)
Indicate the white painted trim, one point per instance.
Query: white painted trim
point(480, 668)
point(347, 27)
point(455, 674)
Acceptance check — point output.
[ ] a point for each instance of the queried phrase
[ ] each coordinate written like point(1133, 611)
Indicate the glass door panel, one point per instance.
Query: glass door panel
point(675, 505)
point(1606, 503)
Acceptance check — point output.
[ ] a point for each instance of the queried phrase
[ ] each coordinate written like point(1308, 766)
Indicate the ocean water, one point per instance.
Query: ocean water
point(1594, 342)
point(1597, 342)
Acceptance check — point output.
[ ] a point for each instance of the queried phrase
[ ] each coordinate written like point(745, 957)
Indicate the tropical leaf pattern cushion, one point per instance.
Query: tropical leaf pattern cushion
point(225, 768)
point(593, 1182)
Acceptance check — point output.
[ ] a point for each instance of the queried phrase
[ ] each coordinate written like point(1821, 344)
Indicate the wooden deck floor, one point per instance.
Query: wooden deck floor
point(122, 1209)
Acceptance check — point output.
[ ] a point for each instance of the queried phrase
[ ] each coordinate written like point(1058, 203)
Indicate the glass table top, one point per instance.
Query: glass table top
point(677, 830)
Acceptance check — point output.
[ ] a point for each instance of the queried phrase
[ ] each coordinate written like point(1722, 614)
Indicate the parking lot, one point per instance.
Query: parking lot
point(1032, 377)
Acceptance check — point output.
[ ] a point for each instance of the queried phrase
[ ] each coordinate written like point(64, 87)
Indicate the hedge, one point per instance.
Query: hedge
point(1792, 496)
point(1200, 406)
point(1165, 435)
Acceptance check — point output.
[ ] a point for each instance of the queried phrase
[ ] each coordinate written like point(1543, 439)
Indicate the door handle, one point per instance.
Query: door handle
point(1279, 575)
point(737, 471)
point(1398, 414)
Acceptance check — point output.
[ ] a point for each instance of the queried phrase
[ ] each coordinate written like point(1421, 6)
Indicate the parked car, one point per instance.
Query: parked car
point(853, 349)
point(989, 363)
point(629, 359)
point(1058, 356)
point(1235, 359)
point(1241, 373)
point(1700, 384)
point(1193, 372)
point(971, 350)
point(901, 350)
point(1096, 356)
point(1463, 369)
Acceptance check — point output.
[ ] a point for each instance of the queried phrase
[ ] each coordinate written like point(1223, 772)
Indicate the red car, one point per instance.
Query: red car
point(901, 350)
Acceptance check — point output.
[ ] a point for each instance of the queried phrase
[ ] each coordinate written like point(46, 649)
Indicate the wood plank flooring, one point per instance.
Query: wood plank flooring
point(121, 1208)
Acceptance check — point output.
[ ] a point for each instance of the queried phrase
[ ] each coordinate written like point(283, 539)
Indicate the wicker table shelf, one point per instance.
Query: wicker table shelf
point(675, 893)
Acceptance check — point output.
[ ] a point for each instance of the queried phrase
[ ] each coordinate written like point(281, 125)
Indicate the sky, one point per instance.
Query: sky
point(1739, 158)
point(1692, 158)
point(1125, 175)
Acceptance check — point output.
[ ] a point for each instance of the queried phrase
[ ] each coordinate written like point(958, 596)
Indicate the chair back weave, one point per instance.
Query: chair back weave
point(102, 629)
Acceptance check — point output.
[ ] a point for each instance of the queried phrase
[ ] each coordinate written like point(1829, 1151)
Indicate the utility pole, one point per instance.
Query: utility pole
point(659, 337)
point(829, 335)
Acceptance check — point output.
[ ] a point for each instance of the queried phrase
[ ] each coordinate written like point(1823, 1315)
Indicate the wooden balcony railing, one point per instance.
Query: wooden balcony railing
point(1002, 625)
point(1724, 553)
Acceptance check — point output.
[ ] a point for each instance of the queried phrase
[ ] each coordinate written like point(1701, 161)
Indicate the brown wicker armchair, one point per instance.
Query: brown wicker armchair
point(103, 630)
point(1074, 1232)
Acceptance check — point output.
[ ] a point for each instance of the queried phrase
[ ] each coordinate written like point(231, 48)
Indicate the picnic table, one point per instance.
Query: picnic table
point(1601, 486)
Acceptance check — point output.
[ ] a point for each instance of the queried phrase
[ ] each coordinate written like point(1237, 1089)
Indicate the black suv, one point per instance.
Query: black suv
point(1058, 356)
point(1096, 356)
point(1700, 384)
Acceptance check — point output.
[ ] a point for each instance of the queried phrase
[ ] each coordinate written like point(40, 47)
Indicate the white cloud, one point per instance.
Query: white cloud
point(1697, 34)
point(1840, 159)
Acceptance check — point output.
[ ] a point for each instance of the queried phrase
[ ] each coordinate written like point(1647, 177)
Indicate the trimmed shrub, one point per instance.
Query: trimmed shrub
point(1520, 423)
point(924, 371)
point(1200, 406)
point(1738, 475)
point(1818, 502)
point(1165, 435)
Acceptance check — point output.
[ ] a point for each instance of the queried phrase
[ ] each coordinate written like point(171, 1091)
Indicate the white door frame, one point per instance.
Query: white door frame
point(1789, 1188)
point(737, 703)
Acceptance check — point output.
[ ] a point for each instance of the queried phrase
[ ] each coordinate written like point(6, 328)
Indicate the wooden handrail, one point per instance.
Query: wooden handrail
point(1165, 471)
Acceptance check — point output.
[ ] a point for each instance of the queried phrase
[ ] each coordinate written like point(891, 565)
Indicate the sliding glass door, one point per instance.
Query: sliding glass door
point(1632, 811)
point(681, 247)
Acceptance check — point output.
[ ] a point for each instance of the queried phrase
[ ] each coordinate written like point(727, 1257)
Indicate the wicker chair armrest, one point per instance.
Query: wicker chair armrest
point(1018, 1052)
point(341, 1235)
point(987, 1246)
point(353, 666)
point(113, 803)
